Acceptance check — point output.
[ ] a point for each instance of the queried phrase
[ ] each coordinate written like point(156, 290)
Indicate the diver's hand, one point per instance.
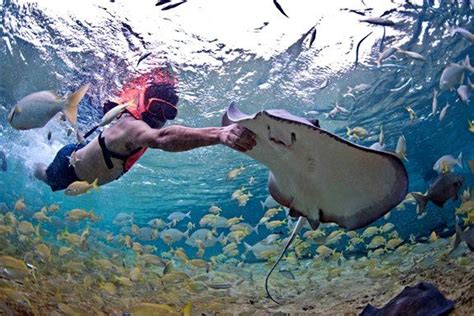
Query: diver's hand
point(237, 137)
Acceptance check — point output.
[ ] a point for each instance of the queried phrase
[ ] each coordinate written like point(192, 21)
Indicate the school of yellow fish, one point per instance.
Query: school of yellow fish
point(81, 270)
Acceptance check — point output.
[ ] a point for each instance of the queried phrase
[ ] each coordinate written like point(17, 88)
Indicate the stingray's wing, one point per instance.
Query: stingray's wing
point(325, 177)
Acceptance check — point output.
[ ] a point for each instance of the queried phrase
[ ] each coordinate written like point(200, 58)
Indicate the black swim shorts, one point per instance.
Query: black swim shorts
point(60, 174)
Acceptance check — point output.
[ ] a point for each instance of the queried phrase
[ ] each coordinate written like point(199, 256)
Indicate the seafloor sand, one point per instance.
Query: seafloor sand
point(321, 286)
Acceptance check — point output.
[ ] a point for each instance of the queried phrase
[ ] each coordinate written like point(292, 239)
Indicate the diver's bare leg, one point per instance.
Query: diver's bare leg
point(40, 172)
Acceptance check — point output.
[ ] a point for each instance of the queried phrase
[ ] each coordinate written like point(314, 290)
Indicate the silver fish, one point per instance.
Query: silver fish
point(287, 274)
point(122, 219)
point(385, 54)
point(443, 112)
point(434, 104)
point(222, 286)
point(465, 33)
point(452, 75)
point(269, 202)
point(259, 250)
point(324, 84)
point(446, 163)
point(112, 114)
point(170, 236)
point(410, 54)
point(147, 234)
point(464, 92)
point(37, 109)
point(178, 216)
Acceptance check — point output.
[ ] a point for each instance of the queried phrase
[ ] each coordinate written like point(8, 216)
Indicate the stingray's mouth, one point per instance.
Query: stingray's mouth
point(279, 141)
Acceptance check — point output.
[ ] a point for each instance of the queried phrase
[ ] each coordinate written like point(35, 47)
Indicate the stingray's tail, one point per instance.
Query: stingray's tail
point(299, 225)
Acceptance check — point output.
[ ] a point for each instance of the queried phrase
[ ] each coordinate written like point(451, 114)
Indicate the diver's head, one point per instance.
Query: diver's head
point(158, 104)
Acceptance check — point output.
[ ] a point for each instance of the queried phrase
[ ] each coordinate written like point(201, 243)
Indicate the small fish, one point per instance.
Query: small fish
point(378, 21)
point(176, 217)
point(313, 37)
point(444, 110)
point(357, 132)
point(359, 88)
point(357, 49)
point(444, 187)
point(216, 210)
point(470, 126)
point(464, 92)
point(453, 74)
point(412, 113)
point(401, 149)
point(36, 109)
point(269, 202)
point(80, 187)
point(270, 239)
point(223, 286)
point(232, 174)
point(370, 231)
point(381, 136)
point(143, 57)
point(20, 205)
point(446, 163)
point(465, 33)
point(336, 110)
point(434, 104)
point(410, 54)
point(278, 6)
point(385, 54)
point(324, 84)
point(112, 114)
point(172, 6)
point(170, 236)
point(287, 274)
point(3, 161)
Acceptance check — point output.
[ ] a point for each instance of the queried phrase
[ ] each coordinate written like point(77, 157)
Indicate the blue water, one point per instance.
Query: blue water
point(60, 47)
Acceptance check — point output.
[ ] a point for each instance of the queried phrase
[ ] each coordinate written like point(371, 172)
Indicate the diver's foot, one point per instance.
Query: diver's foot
point(40, 171)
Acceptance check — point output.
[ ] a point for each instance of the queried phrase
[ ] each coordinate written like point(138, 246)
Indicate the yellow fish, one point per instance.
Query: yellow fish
point(235, 172)
point(357, 132)
point(470, 126)
point(80, 187)
point(20, 205)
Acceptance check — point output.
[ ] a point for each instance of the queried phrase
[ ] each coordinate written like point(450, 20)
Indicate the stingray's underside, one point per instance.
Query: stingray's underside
point(320, 175)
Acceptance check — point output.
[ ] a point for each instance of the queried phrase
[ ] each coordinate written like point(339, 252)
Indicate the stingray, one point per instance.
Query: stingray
point(421, 299)
point(320, 176)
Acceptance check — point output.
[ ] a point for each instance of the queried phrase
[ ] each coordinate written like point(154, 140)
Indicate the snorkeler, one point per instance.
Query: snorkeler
point(152, 101)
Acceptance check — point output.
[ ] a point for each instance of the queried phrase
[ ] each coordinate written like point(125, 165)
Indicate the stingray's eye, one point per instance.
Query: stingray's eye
point(293, 137)
point(268, 127)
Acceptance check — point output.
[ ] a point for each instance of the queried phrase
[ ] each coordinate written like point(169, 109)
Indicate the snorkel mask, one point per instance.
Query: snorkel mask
point(154, 98)
point(155, 111)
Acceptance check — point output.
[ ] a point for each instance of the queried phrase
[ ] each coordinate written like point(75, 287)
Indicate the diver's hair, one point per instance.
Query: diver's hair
point(164, 91)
